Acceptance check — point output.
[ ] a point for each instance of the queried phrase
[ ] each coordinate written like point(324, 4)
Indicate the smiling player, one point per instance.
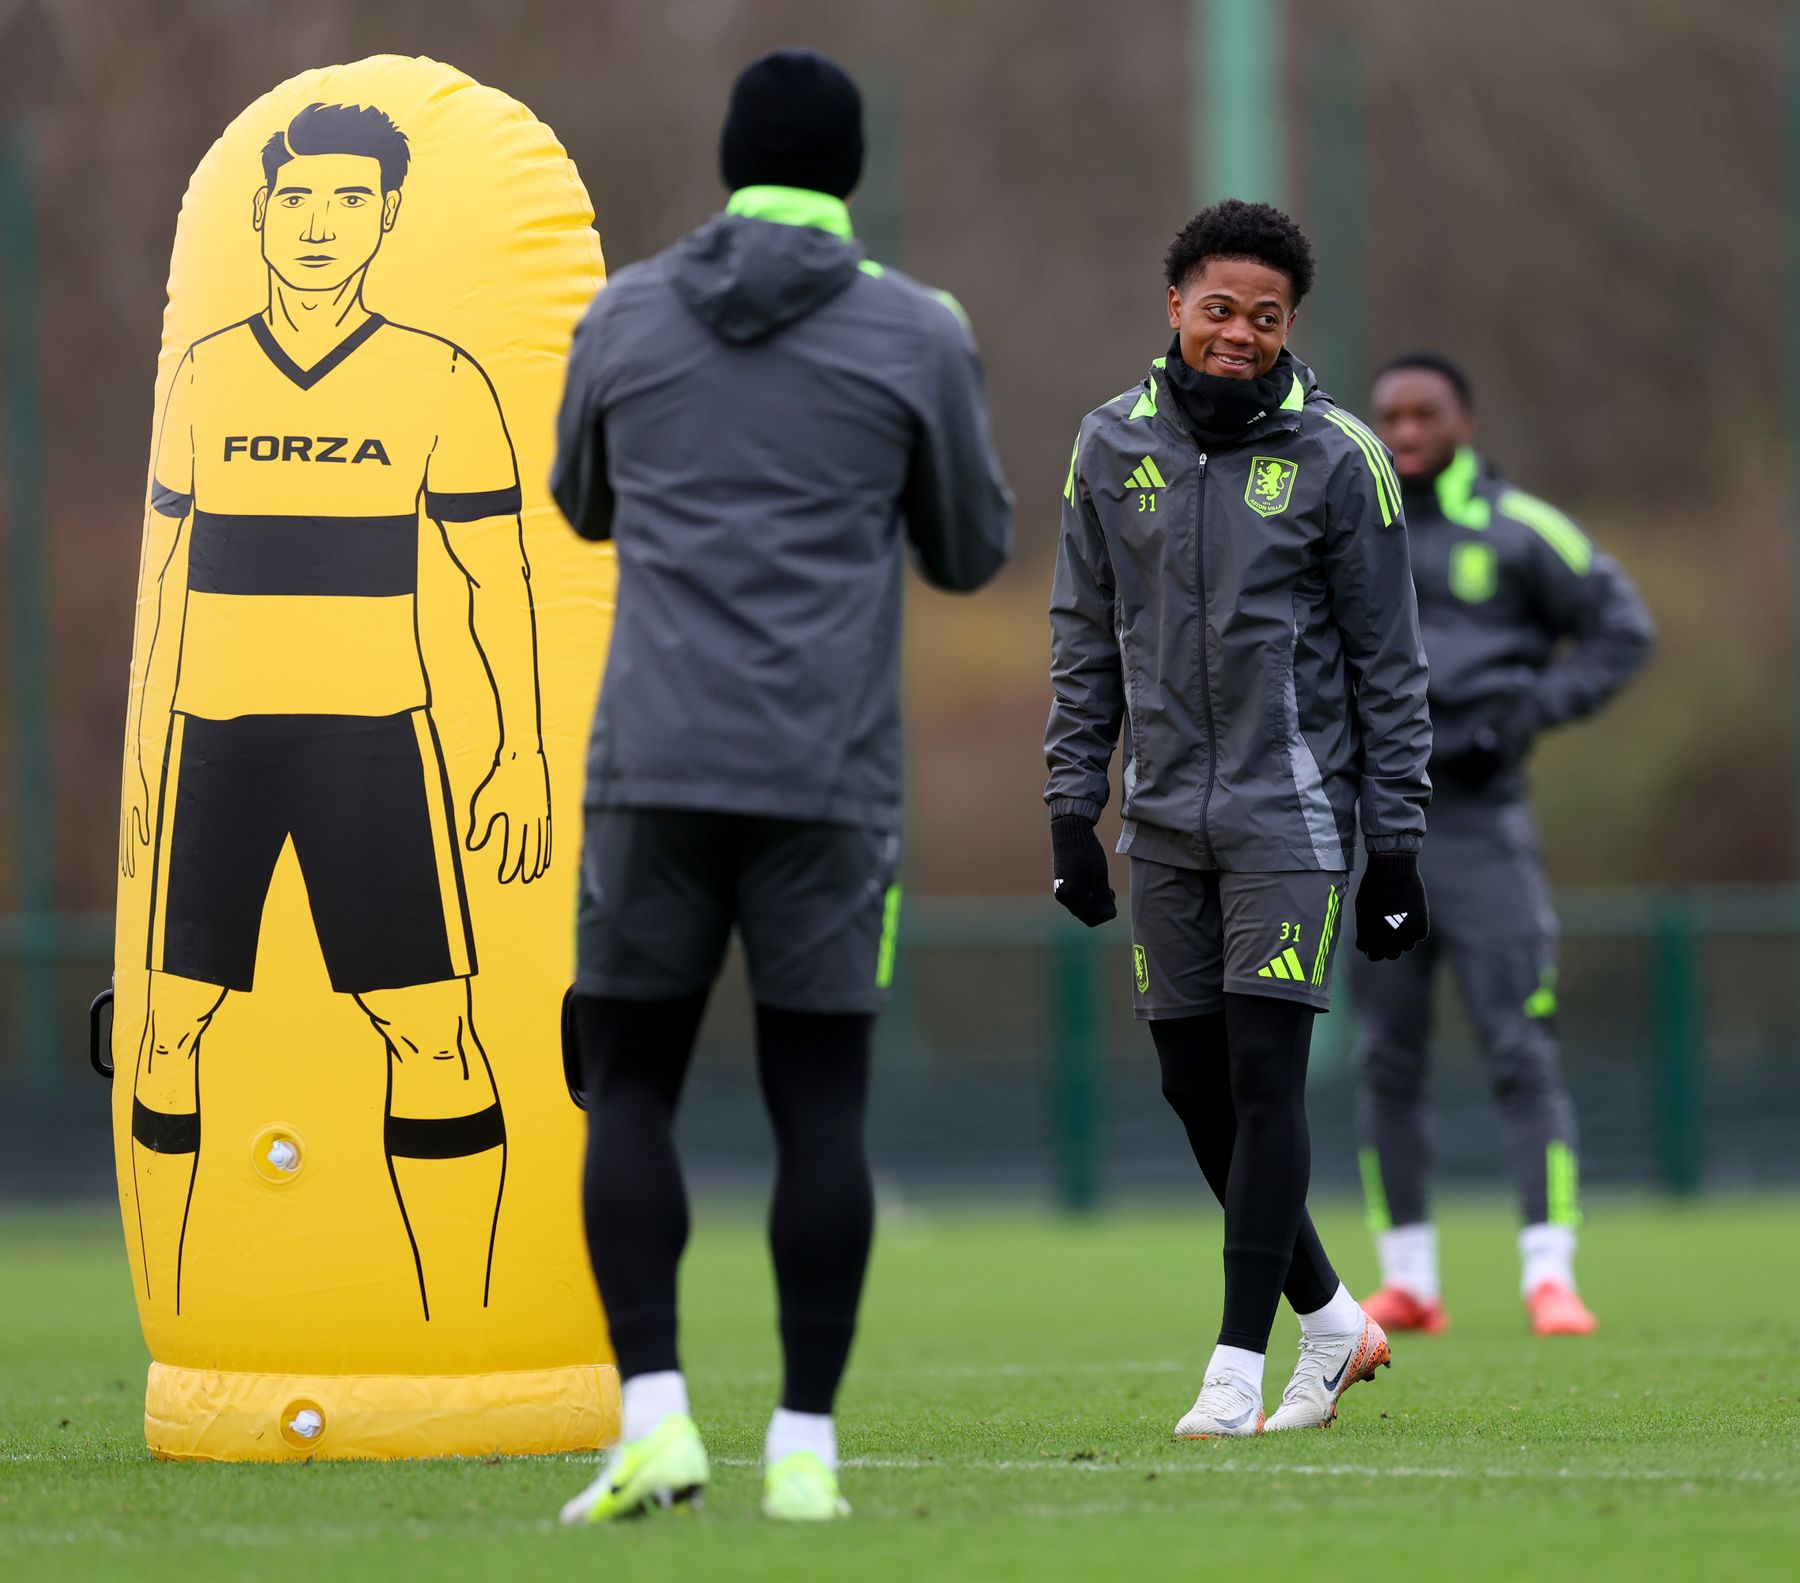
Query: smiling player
point(1232, 586)
point(294, 454)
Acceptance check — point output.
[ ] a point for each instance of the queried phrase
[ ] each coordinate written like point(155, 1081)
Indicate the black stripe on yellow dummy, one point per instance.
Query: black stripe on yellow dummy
point(473, 507)
point(165, 836)
point(362, 557)
point(165, 1132)
point(445, 1137)
point(459, 930)
point(167, 502)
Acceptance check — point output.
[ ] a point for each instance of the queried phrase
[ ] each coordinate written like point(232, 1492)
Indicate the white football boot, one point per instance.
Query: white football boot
point(1225, 1407)
point(1329, 1366)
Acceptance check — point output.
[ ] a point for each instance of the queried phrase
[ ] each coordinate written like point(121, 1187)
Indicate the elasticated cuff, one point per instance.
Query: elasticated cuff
point(1403, 841)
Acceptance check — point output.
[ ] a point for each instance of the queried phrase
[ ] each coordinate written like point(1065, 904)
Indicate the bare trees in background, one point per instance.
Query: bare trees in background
point(1584, 203)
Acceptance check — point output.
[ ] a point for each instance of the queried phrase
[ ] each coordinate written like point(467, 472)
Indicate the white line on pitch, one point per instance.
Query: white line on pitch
point(982, 1371)
point(1276, 1470)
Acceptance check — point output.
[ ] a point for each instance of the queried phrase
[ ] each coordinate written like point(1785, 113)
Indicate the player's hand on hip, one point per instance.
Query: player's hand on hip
point(1500, 743)
point(516, 798)
point(1078, 866)
point(1391, 914)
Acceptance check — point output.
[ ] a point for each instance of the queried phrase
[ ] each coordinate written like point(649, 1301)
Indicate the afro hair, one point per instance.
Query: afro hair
point(1235, 229)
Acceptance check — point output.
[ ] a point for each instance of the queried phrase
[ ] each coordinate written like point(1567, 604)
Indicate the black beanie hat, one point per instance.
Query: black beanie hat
point(795, 121)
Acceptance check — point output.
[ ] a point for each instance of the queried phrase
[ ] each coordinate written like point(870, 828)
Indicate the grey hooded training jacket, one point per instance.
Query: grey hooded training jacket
point(1247, 611)
point(757, 417)
point(1514, 600)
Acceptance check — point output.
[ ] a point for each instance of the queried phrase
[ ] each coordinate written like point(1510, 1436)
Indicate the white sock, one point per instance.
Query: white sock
point(791, 1432)
point(1546, 1253)
point(1408, 1256)
point(1337, 1318)
point(649, 1399)
point(1235, 1363)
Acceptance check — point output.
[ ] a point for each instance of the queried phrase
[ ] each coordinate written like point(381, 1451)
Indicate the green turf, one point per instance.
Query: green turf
point(1008, 1417)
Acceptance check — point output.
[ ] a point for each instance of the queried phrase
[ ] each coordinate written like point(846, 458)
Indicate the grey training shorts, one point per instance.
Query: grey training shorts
point(1197, 934)
point(661, 889)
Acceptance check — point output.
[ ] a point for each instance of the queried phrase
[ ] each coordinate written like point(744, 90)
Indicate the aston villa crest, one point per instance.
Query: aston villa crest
point(1271, 485)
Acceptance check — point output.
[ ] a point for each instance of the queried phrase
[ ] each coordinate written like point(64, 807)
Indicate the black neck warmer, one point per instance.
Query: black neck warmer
point(1219, 409)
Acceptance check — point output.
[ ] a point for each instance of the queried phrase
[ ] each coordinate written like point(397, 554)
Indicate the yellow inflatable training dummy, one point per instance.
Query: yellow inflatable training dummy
point(364, 666)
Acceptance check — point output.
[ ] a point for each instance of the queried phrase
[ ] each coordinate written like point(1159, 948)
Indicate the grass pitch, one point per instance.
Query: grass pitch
point(1008, 1417)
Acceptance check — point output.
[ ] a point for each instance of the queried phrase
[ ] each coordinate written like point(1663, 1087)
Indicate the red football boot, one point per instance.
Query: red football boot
point(1555, 1310)
point(1394, 1309)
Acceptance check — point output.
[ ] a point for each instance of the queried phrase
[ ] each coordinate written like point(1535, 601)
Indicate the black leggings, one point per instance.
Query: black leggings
point(1237, 1080)
point(814, 1071)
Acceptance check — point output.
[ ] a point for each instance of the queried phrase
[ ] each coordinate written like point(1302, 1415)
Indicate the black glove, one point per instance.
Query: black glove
point(1078, 861)
point(1497, 745)
point(1391, 915)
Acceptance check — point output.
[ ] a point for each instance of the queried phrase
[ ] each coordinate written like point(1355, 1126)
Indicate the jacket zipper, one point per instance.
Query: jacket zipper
point(1212, 739)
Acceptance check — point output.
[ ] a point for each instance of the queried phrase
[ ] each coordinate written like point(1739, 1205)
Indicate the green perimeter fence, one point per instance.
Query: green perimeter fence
point(1009, 1061)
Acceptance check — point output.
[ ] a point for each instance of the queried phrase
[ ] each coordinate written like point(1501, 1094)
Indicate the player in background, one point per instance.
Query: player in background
point(1527, 626)
point(299, 454)
point(759, 418)
point(1232, 587)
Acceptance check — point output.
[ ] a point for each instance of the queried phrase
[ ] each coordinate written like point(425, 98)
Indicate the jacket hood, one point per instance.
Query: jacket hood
point(774, 256)
point(1310, 388)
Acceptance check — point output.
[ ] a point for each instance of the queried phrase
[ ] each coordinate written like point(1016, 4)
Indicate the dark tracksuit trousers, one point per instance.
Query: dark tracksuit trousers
point(1492, 922)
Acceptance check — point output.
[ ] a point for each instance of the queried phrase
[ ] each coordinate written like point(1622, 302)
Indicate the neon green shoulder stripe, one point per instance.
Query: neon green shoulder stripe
point(1381, 456)
point(1383, 499)
point(1551, 526)
point(952, 304)
point(1376, 449)
point(1069, 483)
point(876, 269)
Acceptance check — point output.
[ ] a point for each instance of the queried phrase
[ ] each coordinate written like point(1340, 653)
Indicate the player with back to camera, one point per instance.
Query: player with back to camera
point(1232, 588)
point(1527, 626)
point(758, 418)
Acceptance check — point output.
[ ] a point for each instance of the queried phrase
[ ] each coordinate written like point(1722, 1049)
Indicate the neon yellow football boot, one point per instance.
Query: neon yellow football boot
point(801, 1489)
point(664, 1470)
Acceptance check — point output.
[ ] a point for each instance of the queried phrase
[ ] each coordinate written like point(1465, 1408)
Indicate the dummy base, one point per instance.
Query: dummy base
point(208, 1415)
